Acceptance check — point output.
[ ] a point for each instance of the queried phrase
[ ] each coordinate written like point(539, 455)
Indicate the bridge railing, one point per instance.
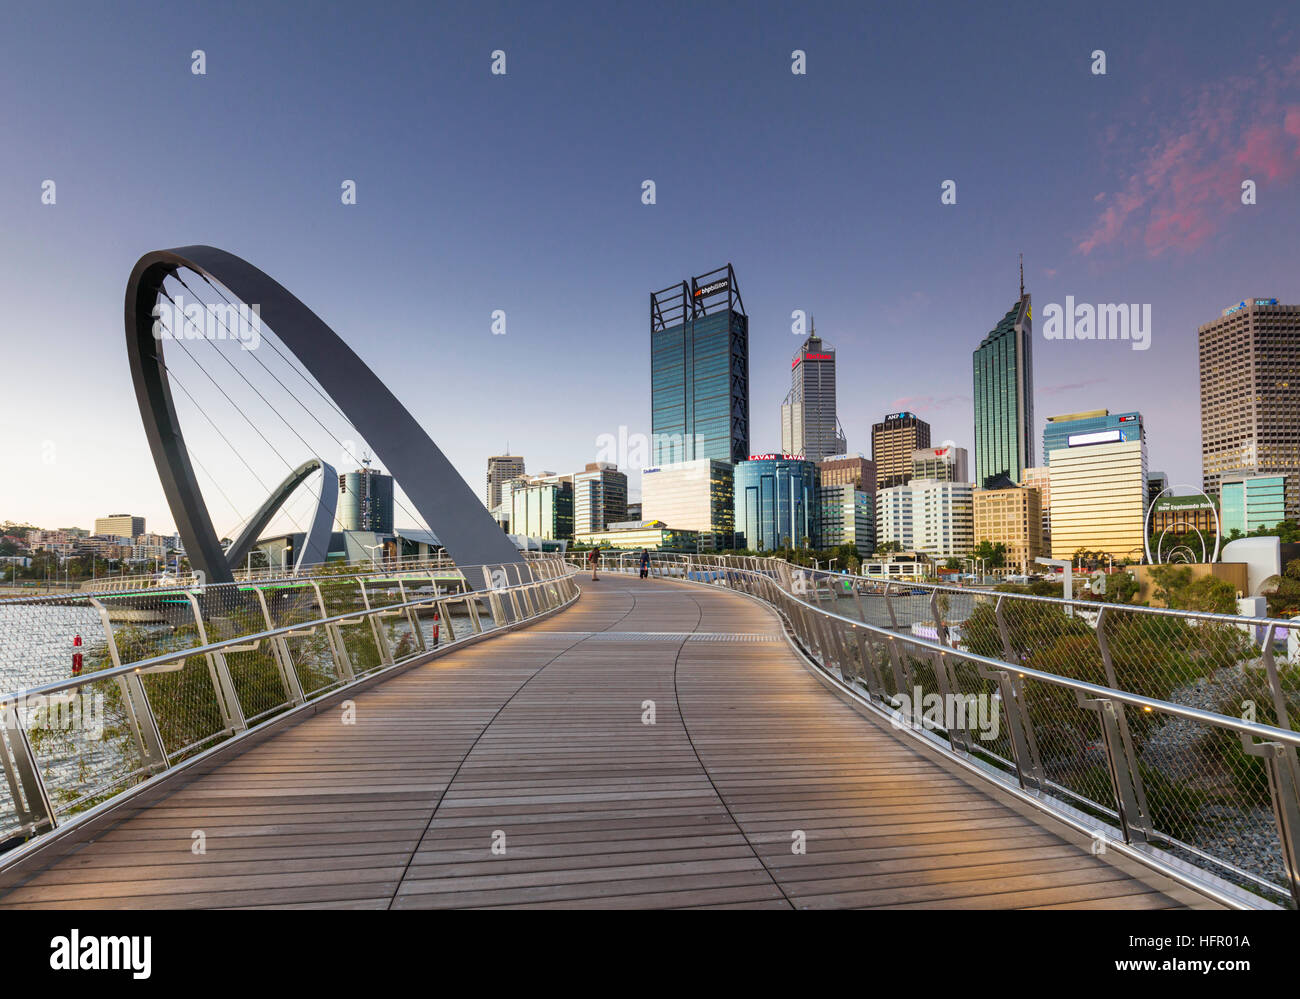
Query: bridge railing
point(1168, 731)
point(149, 581)
point(105, 691)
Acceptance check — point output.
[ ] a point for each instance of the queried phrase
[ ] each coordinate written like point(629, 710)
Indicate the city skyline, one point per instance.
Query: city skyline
point(855, 234)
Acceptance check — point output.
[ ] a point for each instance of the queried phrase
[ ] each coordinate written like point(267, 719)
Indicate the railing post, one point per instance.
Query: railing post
point(280, 650)
point(870, 667)
point(1284, 791)
point(412, 620)
point(334, 638)
point(1133, 821)
point(1126, 740)
point(958, 735)
point(1003, 633)
point(33, 804)
point(232, 713)
point(1024, 748)
point(376, 629)
point(445, 618)
point(901, 680)
point(857, 596)
point(940, 627)
point(889, 606)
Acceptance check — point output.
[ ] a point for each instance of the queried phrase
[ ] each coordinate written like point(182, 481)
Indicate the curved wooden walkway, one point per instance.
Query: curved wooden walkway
point(534, 743)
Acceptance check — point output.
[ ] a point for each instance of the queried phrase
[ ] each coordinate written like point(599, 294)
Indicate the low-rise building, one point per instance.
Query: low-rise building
point(1012, 517)
point(652, 535)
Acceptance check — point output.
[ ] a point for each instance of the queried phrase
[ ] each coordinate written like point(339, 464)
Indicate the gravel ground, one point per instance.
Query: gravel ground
point(1245, 836)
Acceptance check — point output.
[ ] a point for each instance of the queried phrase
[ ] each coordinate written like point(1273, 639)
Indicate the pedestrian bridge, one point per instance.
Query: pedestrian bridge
point(647, 743)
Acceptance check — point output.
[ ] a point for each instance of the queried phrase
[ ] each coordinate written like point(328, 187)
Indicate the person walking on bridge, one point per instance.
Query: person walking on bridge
point(593, 557)
point(645, 563)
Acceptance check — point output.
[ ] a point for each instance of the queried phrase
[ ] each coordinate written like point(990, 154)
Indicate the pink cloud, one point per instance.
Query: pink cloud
point(1184, 181)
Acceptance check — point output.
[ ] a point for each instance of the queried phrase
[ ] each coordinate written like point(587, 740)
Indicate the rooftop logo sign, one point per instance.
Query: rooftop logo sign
point(713, 287)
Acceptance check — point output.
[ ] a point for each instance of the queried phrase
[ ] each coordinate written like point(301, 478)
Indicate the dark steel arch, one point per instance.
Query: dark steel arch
point(316, 545)
point(453, 512)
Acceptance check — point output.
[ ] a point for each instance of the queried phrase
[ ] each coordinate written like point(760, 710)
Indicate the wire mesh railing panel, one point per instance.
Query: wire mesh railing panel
point(989, 733)
point(1071, 744)
point(189, 711)
point(357, 634)
point(84, 744)
point(309, 647)
point(1202, 789)
point(396, 624)
point(259, 682)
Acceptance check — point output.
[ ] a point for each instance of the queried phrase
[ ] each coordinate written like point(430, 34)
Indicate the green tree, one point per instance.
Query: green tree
point(994, 555)
point(1175, 586)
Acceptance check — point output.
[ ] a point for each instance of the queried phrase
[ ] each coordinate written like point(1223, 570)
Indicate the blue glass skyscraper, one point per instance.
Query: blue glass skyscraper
point(777, 503)
point(699, 371)
point(1004, 396)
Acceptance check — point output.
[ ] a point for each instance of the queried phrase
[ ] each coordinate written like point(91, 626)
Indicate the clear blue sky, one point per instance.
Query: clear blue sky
point(478, 192)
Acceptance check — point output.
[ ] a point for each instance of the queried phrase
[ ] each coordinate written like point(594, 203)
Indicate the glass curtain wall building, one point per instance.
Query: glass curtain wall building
point(1251, 502)
point(776, 503)
point(1004, 396)
point(699, 370)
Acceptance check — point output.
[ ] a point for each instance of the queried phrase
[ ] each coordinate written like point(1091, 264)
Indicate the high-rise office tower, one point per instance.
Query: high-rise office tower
point(599, 497)
point(699, 370)
point(1157, 483)
point(501, 468)
point(893, 442)
point(1099, 496)
point(366, 501)
point(809, 427)
point(1004, 395)
point(1250, 396)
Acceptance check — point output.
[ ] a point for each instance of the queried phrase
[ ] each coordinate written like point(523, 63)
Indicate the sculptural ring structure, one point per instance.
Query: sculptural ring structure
point(316, 545)
point(445, 501)
point(1174, 527)
point(1146, 526)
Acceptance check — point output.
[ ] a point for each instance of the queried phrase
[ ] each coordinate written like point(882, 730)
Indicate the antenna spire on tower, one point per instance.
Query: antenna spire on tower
point(1022, 275)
